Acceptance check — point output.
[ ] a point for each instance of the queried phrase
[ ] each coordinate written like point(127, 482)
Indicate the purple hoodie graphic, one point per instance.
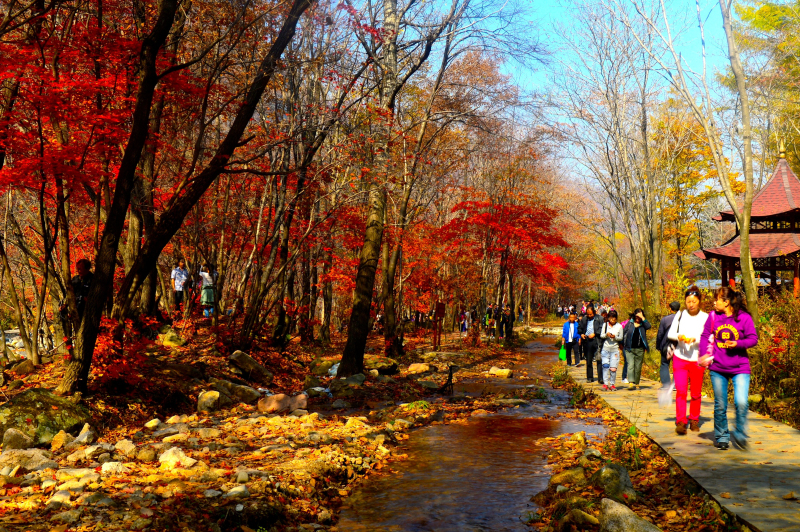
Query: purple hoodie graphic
point(738, 327)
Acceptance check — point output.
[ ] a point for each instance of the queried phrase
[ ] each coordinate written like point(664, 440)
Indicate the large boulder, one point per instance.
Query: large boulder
point(24, 368)
point(236, 392)
point(41, 415)
point(212, 400)
point(573, 476)
point(615, 482)
point(321, 367)
point(282, 403)
point(28, 459)
point(502, 373)
point(616, 517)
point(170, 339)
point(16, 439)
point(249, 367)
point(384, 365)
point(419, 367)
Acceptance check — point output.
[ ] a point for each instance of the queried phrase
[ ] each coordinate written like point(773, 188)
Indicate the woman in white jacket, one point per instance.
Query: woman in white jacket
point(686, 329)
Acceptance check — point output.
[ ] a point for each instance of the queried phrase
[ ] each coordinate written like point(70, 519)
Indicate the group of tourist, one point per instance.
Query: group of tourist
point(690, 340)
point(183, 284)
point(581, 309)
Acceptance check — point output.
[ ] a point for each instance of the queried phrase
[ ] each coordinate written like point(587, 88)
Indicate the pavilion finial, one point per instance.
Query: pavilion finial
point(782, 150)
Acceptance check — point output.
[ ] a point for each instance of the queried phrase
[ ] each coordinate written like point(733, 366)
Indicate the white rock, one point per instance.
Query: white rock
point(60, 497)
point(113, 468)
point(174, 458)
point(238, 492)
point(126, 447)
point(152, 424)
point(210, 494)
point(173, 420)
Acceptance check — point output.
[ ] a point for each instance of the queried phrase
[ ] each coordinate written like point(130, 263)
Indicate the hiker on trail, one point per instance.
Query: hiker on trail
point(728, 333)
point(509, 322)
point(488, 320)
point(179, 277)
point(572, 339)
point(208, 278)
point(589, 329)
point(665, 344)
point(505, 316)
point(686, 329)
point(612, 335)
point(80, 285)
point(521, 314)
point(635, 345)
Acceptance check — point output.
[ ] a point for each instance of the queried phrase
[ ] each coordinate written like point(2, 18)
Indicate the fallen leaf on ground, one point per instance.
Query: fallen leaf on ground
point(790, 496)
point(725, 495)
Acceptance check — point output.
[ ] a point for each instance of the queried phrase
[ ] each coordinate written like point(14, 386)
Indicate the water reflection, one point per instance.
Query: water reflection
point(477, 476)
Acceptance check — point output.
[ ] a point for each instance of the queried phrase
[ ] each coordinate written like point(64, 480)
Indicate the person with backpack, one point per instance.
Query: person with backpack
point(728, 333)
point(686, 330)
point(635, 345)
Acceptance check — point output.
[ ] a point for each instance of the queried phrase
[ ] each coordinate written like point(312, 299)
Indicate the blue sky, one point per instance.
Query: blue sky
point(682, 16)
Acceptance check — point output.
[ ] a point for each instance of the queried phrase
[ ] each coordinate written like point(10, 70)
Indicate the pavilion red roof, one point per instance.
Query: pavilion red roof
point(779, 195)
point(761, 245)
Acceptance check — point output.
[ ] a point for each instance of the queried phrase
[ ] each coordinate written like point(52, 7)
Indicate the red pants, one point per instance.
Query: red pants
point(687, 373)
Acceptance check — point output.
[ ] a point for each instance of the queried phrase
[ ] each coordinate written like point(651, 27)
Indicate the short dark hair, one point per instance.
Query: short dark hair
point(573, 313)
point(85, 262)
point(612, 313)
point(675, 306)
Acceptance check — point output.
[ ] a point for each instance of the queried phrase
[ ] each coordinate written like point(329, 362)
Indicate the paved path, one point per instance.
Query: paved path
point(756, 480)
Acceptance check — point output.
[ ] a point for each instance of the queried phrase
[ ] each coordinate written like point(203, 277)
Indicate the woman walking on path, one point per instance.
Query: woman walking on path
point(727, 336)
point(635, 345)
point(687, 329)
point(612, 335)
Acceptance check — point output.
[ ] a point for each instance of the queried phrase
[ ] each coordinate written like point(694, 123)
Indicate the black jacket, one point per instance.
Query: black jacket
point(584, 324)
point(662, 342)
point(628, 332)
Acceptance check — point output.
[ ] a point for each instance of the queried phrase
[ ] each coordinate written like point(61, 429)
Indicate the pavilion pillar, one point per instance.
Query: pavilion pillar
point(797, 278)
point(724, 271)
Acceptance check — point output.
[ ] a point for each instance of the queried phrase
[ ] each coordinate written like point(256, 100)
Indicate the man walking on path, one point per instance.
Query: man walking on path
point(179, 277)
point(589, 329)
point(663, 343)
point(572, 339)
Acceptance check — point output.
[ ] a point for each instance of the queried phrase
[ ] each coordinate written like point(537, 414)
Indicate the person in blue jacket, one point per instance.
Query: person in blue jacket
point(572, 339)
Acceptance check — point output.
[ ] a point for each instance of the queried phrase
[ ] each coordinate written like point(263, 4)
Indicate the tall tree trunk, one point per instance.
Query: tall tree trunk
point(745, 259)
point(76, 375)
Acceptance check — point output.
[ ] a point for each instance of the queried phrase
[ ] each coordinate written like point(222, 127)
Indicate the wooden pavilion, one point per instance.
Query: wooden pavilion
point(774, 231)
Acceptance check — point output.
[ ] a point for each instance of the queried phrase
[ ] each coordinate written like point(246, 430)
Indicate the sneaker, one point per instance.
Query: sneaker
point(680, 428)
point(605, 388)
point(721, 445)
point(739, 443)
point(625, 381)
point(632, 387)
point(613, 388)
point(694, 425)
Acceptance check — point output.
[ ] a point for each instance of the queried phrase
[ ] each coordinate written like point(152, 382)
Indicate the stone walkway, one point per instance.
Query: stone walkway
point(749, 483)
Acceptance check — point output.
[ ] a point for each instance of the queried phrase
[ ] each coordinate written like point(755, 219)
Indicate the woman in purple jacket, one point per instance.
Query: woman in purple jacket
point(730, 327)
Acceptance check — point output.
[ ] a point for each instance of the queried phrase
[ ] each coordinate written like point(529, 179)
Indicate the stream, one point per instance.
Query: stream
point(477, 476)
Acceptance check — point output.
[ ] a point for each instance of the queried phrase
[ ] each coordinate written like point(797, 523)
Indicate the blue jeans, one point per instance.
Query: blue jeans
point(741, 390)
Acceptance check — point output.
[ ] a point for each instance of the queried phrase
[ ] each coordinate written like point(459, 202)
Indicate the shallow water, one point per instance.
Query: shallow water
point(477, 476)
